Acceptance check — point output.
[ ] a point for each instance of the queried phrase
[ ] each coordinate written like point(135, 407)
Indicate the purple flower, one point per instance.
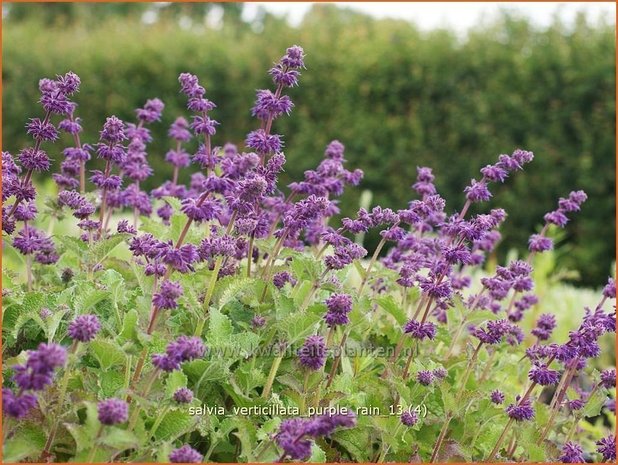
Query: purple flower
point(572, 453)
point(281, 278)
point(151, 112)
point(183, 395)
point(312, 354)
point(497, 396)
point(204, 125)
point(291, 437)
point(185, 454)
point(34, 160)
point(409, 418)
point(540, 243)
point(339, 303)
point(179, 130)
point(424, 377)
point(607, 448)
point(45, 312)
point(17, 406)
point(165, 363)
point(125, 227)
point(424, 181)
point(440, 373)
point(544, 326)
point(113, 411)
point(542, 375)
point(68, 84)
point(477, 191)
point(113, 130)
point(294, 434)
point(189, 85)
point(84, 328)
point(264, 143)
point(41, 130)
point(258, 321)
point(39, 368)
point(494, 173)
point(268, 105)
point(520, 411)
point(168, 295)
point(186, 348)
point(608, 378)
point(609, 291)
point(420, 331)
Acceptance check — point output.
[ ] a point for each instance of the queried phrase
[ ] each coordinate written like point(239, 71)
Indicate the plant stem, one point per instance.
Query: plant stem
point(372, 262)
point(496, 448)
point(333, 370)
point(56, 412)
point(29, 272)
point(273, 372)
point(441, 436)
point(95, 446)
point(250, 255)
point(158, 421)
point(138, 409)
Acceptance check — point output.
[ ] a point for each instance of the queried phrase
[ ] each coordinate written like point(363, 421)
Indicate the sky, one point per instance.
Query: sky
point(456, 15)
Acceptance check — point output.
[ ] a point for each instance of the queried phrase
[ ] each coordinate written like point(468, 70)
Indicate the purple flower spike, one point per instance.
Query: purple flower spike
point(186, 348)
point(168, 295)
point(608, 378)
point(84, 328)
point(607, 448)
point(409, 418)
point(39, 368)
point(113, 411)
point(17, 406)
point(520, 411)
point(312, 354)
point(609, 291)
point(572, 453)
point(420, 331)
point(425, 377)
point(497, 397)
point(183, 395)
point(185, 454)
point(542, 375)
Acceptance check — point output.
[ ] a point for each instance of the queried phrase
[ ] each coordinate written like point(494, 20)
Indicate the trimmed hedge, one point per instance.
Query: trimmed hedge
point(396, 97)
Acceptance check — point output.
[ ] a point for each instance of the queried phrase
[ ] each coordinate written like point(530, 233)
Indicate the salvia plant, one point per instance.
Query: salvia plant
point(228, 320)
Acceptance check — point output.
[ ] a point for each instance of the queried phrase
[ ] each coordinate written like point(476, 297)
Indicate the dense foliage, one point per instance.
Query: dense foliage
point(396, 97)
point(223, 320)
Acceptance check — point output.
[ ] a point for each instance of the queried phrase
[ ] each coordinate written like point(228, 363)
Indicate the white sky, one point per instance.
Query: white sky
point(456, 15)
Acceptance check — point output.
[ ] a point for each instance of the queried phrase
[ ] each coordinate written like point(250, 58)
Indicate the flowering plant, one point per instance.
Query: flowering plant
point(227, 321)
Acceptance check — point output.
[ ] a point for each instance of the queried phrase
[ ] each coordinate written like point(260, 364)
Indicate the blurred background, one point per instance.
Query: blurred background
point(448, 86)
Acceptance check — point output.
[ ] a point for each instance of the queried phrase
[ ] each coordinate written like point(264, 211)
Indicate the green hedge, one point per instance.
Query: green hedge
point(396, 97)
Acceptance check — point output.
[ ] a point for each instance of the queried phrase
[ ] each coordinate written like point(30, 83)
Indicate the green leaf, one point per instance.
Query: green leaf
point(129, 326)
point(174, 424)
point(595, 403)
point(87, 297)
point(28, 441)
point(219, 328)
point(107, 353)
point(317, 454)
point(298, 325)
point(235, 287)
point(100, 250)
point(73, 244)
point(175, 380)
point(388, 303)
point(120, 439)
point(116, 286)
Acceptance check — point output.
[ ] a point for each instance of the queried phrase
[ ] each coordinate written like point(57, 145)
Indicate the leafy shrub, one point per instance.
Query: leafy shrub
point(222, 320)
point(396, 97)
